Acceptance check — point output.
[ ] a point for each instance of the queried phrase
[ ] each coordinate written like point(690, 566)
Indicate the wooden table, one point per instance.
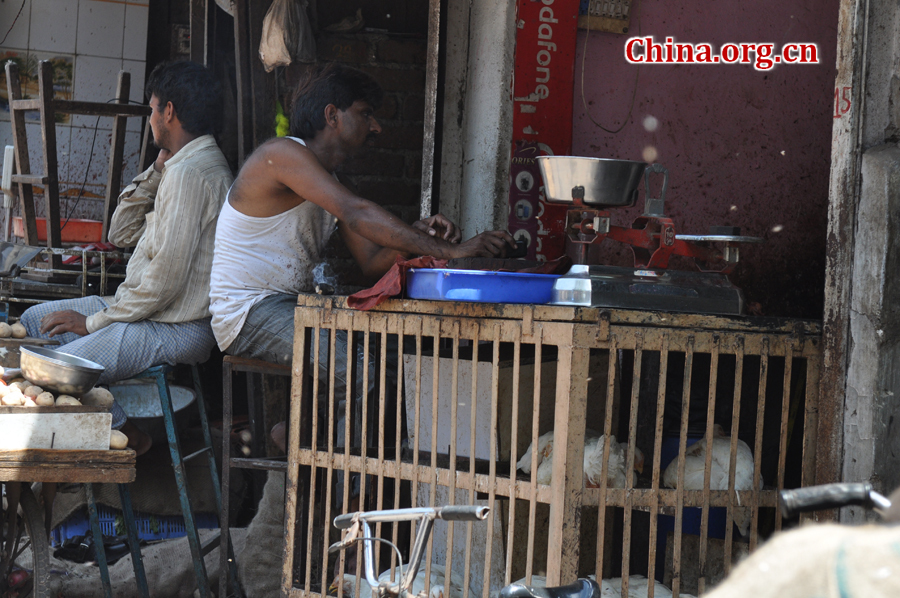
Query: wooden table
point(20, 468)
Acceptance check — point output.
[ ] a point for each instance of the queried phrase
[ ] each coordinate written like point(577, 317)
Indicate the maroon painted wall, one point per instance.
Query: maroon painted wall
point(743, 147)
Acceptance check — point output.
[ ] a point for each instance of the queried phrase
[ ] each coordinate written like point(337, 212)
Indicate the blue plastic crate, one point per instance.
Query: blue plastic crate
point(150, 527)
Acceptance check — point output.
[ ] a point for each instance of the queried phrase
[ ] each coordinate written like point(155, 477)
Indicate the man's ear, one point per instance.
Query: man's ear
point(169, 113)
point(331, 115)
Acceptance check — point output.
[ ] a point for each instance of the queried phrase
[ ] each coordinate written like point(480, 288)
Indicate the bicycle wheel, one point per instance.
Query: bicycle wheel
point(24, 551)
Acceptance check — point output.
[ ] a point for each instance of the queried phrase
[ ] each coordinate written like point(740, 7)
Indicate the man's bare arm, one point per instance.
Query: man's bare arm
point(288, 173)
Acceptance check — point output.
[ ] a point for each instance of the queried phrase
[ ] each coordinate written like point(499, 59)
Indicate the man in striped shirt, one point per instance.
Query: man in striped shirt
point(160, 313)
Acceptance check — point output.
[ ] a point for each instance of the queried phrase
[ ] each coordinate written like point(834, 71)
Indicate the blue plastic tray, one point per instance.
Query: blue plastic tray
point(444, 284)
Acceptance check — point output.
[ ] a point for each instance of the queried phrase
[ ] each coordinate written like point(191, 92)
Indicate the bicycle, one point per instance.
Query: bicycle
point(383, 587)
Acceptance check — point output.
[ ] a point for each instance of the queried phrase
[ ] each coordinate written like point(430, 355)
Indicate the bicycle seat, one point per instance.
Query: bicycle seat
point(583, 588)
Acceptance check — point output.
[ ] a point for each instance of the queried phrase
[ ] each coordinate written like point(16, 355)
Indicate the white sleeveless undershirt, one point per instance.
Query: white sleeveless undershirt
point(258, 257)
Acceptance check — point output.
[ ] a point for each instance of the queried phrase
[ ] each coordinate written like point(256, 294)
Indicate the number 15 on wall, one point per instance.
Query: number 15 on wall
point(841, 101)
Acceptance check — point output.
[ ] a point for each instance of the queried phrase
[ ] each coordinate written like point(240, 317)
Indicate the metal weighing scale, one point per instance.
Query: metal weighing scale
point(591, 186)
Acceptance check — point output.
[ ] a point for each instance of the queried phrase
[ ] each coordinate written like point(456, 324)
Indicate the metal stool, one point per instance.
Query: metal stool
point(198, 551)
point(231, 364)
point(137, 562)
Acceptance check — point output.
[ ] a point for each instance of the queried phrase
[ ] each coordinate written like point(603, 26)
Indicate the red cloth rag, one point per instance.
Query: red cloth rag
point(392, 283)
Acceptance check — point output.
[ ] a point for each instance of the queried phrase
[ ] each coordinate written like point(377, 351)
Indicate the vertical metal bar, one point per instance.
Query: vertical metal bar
point(682, 445)
point(629, 464)
point(99, 549)
point(224, 523)
point(603, 534)
point(137, 563)
point(757, 452)
point(657, 456)
point(513, 456)
point(785, 418)
point(165, 399)
point(735, 429)
point(707, 466)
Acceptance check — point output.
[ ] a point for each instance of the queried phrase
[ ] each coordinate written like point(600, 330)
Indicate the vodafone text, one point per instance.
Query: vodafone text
point(644, 50)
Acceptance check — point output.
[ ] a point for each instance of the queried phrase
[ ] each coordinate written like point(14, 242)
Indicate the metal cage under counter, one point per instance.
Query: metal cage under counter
point(420, 403)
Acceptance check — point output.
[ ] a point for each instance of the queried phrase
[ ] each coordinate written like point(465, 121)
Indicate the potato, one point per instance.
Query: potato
point(29, 402)
point(4, 389)
point(20, 385)
point(98, 397)
point(13, 399)
point(32, 391)
point(5, 330)
point(45, 399)
point(18, 331)
point(117, 440)
point(67, 401)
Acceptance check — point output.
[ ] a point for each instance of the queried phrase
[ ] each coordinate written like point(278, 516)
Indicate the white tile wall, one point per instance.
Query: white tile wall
point(135, 37)
point(101, 28)
point(95, 165)
point(18, 35)
point(53, 25)
point(136, 68)
point(95, 81)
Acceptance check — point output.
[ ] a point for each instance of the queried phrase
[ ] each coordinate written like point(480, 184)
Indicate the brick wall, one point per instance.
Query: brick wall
point(390, 172)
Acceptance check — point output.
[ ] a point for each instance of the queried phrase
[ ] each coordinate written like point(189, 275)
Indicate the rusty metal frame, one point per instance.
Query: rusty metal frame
point(574, 332)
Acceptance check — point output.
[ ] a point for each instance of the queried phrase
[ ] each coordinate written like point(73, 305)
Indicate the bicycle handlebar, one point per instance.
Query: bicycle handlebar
point(829, 496)
point(448, 513)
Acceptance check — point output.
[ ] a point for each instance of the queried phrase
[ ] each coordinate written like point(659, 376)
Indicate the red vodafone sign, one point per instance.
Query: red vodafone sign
point(543, 82)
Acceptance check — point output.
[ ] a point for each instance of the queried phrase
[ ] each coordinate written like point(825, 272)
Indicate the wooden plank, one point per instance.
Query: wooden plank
point(199, 42)
point(116, 151)
point(51, 170)
point(559, 313)
point(100, 108)
point(843, 198)
point(67, 466)
point(568, 434)
point(432, 66)
point(23, 166)
point(32, 104)
point(29, 179)
point(242, 56)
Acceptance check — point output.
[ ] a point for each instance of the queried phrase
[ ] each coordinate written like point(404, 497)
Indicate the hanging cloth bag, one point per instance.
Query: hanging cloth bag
point(286, 35)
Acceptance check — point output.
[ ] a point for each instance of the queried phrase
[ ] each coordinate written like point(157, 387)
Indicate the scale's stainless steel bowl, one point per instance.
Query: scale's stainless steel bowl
point(59, 372)
point(606, 182)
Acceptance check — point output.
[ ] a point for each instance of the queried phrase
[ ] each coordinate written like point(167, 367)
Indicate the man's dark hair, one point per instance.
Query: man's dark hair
point(329, 84)
point(195, 94)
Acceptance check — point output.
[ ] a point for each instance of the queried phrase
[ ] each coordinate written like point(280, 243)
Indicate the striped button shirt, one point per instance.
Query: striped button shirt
point(171, 216)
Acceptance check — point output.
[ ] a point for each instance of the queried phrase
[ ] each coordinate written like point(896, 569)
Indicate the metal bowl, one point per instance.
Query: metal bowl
point(59, 372)
point(606, 182)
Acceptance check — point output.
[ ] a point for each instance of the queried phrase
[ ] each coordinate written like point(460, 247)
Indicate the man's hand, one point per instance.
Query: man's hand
point(60, 322)
point(441, 227)
point(164, 155)
point(495, 243)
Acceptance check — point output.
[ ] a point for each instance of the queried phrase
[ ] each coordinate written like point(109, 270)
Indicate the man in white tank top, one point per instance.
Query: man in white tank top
point(285, 203)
